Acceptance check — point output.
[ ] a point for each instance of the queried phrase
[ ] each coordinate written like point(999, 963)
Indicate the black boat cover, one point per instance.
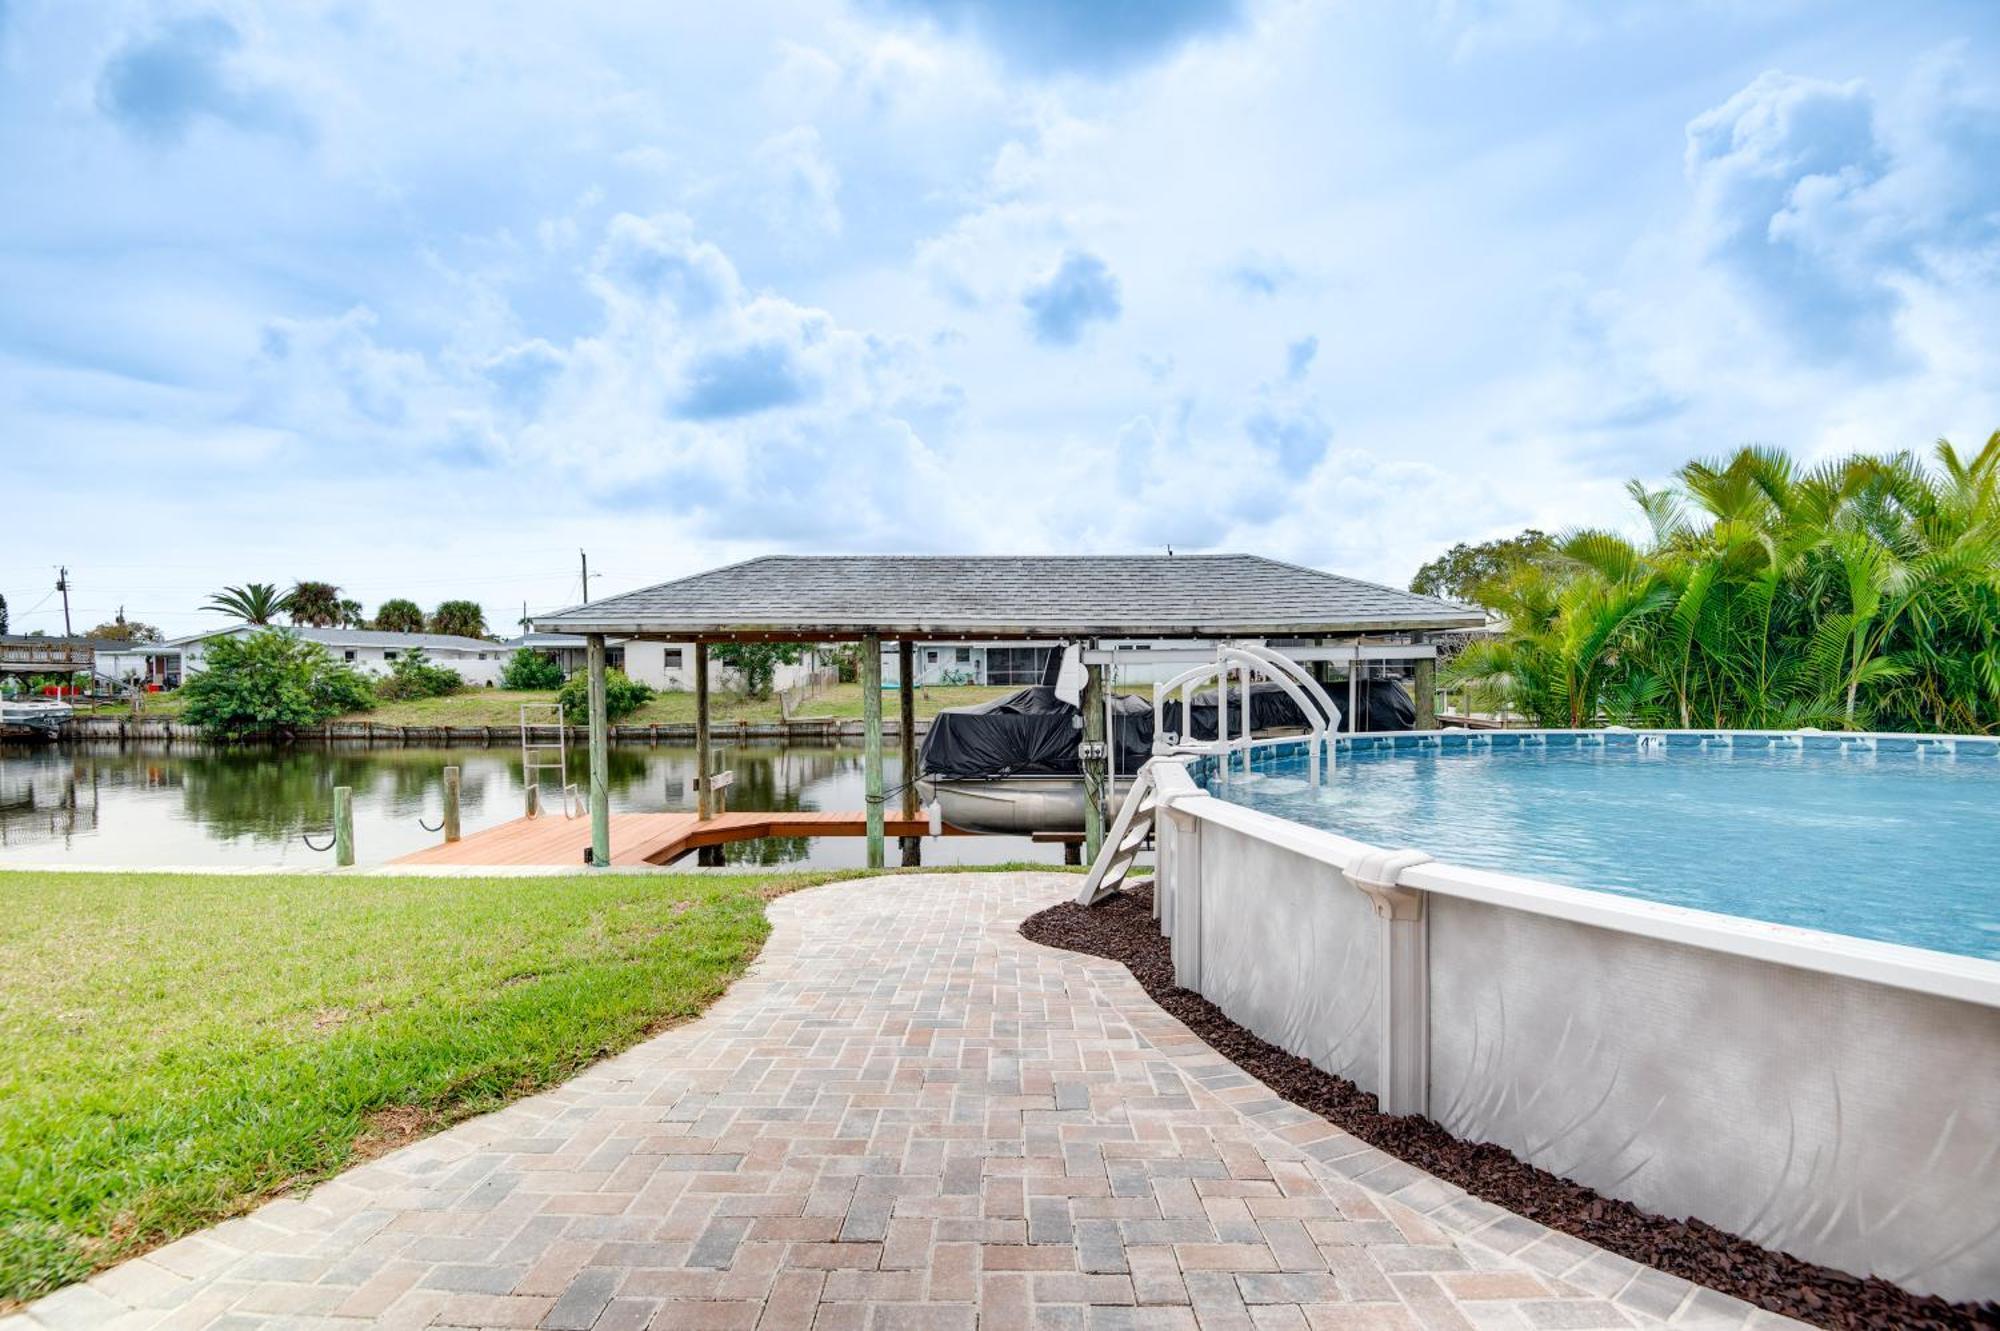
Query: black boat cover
point(1034, 733)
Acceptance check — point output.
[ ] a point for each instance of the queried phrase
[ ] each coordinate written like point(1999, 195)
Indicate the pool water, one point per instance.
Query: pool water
point(1899, 847)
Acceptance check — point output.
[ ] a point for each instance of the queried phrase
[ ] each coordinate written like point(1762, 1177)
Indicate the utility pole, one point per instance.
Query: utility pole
point(586, 575)
point(62, 585)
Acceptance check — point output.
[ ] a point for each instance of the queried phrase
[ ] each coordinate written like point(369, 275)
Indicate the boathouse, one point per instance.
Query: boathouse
point(1104, 603)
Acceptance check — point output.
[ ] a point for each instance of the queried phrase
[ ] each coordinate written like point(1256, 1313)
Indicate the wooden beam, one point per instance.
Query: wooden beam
point(704, 802)
point(871, 745)
point(906, 719)
point(600, 756)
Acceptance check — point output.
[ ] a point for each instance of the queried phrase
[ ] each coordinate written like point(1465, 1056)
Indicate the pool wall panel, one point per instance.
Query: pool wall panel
point(1289, 951)
point(1845, 1122)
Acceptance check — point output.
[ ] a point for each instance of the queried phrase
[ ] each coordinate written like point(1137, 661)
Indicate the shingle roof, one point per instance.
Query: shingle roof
point(1075, 596)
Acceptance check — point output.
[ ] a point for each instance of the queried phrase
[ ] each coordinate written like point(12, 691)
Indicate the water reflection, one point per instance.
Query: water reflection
point(107, 804)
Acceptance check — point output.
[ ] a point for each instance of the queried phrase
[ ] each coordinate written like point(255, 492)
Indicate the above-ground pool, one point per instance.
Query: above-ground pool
point(1897, 841)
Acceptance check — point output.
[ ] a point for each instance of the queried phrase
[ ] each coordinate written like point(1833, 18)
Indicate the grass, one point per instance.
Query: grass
point(177, 1047)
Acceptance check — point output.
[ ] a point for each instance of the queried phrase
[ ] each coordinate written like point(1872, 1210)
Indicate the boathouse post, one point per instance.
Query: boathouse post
point(704, 798)
point(1094, 761)
point(1424, 685)
point(906, 734)
point(871, 745)
point(600, 756)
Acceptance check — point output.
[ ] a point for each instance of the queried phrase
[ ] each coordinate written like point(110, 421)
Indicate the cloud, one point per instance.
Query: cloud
point(156, 88)
point(801, 188)
point(1260, 276)
point(1091, 36)
point(1824, 204)
point(1299, 357)
point(1080, 291)
point(743, 380)
point(658, 259)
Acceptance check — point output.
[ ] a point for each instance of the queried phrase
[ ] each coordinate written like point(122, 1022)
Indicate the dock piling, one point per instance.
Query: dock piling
point(871, 744)
point(343, 826)
point(451, 804)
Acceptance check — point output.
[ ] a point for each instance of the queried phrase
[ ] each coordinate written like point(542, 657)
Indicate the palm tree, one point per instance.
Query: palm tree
point(1861, 592)
point(253, 602)
point(314, 604)
point(397, 615)
point(460, 619)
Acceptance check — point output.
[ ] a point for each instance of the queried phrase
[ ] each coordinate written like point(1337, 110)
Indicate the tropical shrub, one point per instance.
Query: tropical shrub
point(622, 696)
point(270, 683)
point(397, 615)
point(530, 669)
point(757, 662)
point(413, 676)
point(1860, 594)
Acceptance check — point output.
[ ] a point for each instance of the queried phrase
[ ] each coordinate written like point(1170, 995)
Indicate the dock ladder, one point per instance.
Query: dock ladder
point(1129, 832)
point(540, 756)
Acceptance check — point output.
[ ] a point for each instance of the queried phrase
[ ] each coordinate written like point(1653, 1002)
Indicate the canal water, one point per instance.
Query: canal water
point(189, 804)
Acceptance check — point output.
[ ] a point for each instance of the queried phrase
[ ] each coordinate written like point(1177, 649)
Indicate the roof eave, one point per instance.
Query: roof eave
point(827, 631)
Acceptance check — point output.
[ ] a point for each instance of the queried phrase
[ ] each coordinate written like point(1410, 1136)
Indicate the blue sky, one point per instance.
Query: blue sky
point(421, 298)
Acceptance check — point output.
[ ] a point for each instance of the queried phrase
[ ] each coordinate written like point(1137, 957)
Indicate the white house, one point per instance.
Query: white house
point(475, 660)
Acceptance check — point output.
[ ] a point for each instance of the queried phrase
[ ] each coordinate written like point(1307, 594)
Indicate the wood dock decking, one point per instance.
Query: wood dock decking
point(647, 838)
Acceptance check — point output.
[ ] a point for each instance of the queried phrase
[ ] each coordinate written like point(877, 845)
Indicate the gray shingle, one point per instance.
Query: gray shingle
point(1011, 596)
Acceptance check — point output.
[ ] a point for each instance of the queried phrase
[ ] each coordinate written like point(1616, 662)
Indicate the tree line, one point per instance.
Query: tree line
point(1861, 593)
point(314, 604)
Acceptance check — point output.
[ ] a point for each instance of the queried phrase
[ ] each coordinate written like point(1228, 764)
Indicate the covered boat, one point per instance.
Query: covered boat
point(1012, 766)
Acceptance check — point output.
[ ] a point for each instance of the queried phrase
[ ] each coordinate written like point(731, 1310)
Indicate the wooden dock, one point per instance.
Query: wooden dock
point(648, 838)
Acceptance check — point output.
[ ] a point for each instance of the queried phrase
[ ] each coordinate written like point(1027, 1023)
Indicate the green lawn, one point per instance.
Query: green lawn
point(174, 1048)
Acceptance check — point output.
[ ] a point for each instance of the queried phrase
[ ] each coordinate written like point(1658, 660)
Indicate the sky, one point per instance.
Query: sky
point(423, 299)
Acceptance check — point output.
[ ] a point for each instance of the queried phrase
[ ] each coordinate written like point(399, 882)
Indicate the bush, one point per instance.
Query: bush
point(757, 662)
point(530, 669)
point(622, 696)
point(413, 676)
point(272, 682)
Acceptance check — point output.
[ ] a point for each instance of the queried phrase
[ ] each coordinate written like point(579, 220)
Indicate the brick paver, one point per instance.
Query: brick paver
point(905, 1117)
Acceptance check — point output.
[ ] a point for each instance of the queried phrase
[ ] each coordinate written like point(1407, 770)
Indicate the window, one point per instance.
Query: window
point(931, 657)
point(389, 656)
point(670, 657)
point(964, 656)
point(347, 655)
point(1016, 665)
point(614, 658)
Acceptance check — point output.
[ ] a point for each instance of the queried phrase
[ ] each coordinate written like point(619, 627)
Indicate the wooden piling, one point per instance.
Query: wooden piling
point(704, 802)
point(1425, 687)
point(343, 826)
point(871, 745)
point(1095, 769)
point(906, 735)
point(600, 756)
point(451, 804)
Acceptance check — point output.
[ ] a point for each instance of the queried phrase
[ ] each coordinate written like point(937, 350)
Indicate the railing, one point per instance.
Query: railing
point(815, 683)
point(1249, 662)
point(56, 656)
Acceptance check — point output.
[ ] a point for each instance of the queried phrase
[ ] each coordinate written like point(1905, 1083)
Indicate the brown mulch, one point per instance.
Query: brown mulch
point(1122, 930)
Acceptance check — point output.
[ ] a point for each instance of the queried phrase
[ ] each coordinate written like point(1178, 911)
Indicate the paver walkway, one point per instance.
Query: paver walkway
point(905, 1117)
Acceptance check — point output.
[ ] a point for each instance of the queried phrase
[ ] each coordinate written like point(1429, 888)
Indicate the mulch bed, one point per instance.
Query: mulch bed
point(1122, 930)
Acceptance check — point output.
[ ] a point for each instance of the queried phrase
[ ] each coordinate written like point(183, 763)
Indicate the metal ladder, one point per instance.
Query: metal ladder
point(1128, 836)
point(536, 754)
